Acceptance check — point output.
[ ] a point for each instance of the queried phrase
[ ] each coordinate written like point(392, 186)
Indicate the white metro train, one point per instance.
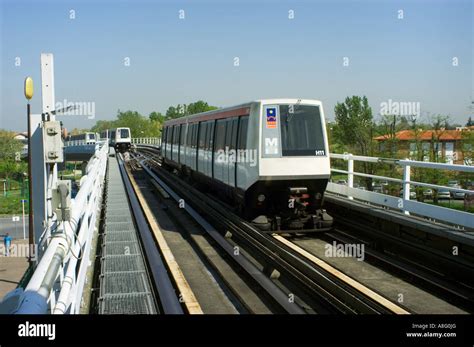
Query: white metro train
point(119, 138)
point(81, 139)
point(268, 158)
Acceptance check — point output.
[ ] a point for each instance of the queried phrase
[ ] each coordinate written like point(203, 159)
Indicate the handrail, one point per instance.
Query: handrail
point(68, 249)
point(146, 141)
point(442, 214)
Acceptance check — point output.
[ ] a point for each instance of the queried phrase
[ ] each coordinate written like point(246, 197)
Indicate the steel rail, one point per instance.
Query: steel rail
point(330, 289)
point(275, 292)
point(168, 298)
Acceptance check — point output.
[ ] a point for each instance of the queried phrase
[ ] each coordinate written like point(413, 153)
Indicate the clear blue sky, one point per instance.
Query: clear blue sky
point(180, 61)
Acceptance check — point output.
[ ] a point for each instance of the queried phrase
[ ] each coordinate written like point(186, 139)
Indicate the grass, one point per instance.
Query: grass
point(11, 203)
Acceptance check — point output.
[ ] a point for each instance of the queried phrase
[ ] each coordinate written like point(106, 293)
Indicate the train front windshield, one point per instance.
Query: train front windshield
point(124, 133)
point(301, 131)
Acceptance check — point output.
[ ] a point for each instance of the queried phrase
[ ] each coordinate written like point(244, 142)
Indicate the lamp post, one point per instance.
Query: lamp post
point(28, 95)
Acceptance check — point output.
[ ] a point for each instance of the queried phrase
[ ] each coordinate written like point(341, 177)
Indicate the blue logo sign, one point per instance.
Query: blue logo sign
point(271, 117)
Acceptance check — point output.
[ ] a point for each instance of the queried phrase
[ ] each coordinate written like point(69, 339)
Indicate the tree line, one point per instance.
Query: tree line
point(142, 126)
point(355, 129)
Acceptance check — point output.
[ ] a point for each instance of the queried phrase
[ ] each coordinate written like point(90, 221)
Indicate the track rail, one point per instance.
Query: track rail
point(324, 290)
point(426, 277)
point(169, 300)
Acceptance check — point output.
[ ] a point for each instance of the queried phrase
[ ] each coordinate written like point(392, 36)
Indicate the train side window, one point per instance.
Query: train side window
point(193, 136)
point(210, 137)
point(208, 134)
point(204, 130)
point(163, 135)
point(228, 133)
point(176, 134)
point(220, 135)
point(242, 136)
point(233, 143)
point(202, 134)
point(188, 135)
point(181, 136)
point(171, 133)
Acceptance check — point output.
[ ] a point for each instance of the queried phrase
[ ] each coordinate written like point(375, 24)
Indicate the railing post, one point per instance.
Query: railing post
point(406, 186)
point(350, 174)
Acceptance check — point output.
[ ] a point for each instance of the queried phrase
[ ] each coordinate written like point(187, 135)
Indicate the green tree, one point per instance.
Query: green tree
point(172, 112)
point(388, 127)
point(355, 125)
point(156, 117)
point(467, 147)
point(356, 129)
point(102, 125)
point(139, 125)
point(9, 147)
point(469, 123)
point(185, 110)
point(198, 107)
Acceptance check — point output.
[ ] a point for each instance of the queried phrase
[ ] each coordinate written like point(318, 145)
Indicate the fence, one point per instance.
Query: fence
point(57, 283)
point(146, 141)
point(403, 203)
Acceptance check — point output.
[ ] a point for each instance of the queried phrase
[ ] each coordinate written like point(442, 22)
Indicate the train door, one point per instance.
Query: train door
point(170, 143)
point(200, 148)
point(230, 142)
point(176, 143)
point(209, 148)
point(182, 147)
point(180, 143)
point(241, 166)
point(188, 145)
point(193, 146)
point(219, 150)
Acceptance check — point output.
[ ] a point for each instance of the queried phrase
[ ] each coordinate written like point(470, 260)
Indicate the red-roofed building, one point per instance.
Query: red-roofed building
point(448, 143)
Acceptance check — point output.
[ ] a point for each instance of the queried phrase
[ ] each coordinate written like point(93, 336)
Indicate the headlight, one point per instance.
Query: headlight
point(261, 198)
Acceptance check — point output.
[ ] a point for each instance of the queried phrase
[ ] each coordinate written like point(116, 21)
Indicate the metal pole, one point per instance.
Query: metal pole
point(24, 226)
point(31, 234)
point(350, 174)
point(406, 186)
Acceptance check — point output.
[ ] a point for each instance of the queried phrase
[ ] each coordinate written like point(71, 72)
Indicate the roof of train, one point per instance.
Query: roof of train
point(226, 112)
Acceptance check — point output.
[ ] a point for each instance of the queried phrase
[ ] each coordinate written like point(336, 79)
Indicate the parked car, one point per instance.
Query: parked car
point(412, 193)
point(428, 193)
point(453, 183)
point(377, 189)
point(342, 182)
point(444, 194)
point(458, 195)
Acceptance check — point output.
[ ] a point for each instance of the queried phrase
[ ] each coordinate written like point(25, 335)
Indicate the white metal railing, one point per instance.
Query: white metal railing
point(71, 143)
point(57, 283)
point(146, 141)
point(403, 203)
